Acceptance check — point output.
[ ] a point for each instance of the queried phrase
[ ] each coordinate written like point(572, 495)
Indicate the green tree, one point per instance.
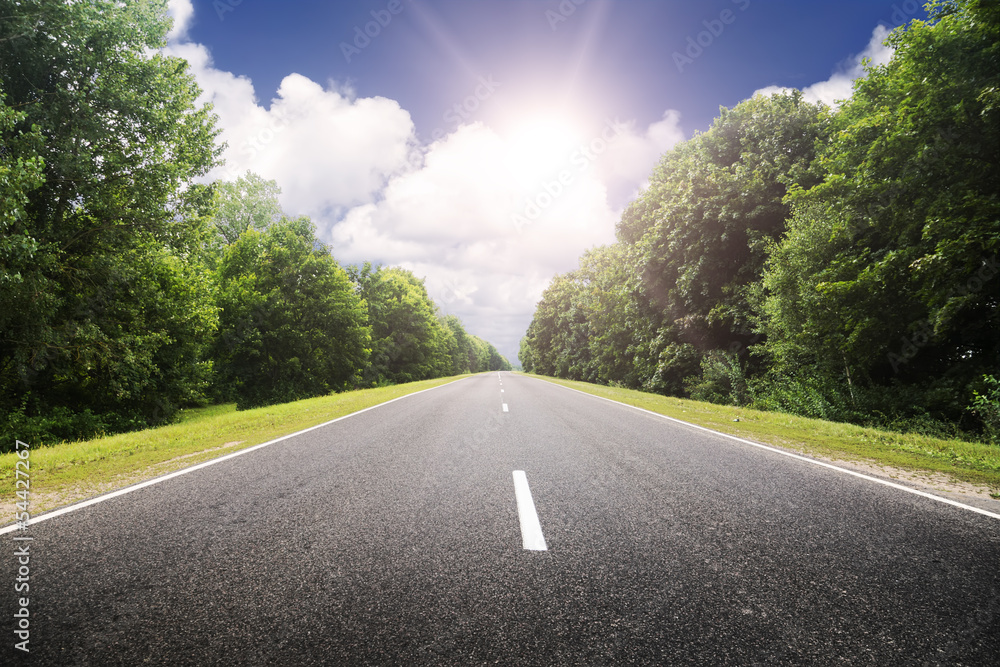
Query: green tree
point(291, 325)
point(702, 226)
point(408, 341)
point(461, 350)
point(526, 355)
point(481, 355)
point(598, 324)
point(887, 278)
point(488, 358)
point(249, 202)
point(21, 171)
point(624, 331)
point(643, 312)
point(104, 328)
point(558, 335)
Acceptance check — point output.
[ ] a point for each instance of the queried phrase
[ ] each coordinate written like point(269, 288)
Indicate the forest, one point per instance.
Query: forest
point(129, 287)
point(838, 263)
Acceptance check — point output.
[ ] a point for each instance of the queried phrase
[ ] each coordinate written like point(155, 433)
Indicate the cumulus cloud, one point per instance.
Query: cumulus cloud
point(634, 153)
point(484, 228)
point(839, 86)
point(327, 150)
point(459, 220)
point(487, 240)
point(182, 12)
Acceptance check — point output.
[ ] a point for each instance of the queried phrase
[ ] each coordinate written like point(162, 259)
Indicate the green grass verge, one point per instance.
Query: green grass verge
point(971, 462)
point(64, 473)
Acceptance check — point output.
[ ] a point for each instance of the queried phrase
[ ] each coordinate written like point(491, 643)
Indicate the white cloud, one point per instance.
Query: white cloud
point(632, 156)
point(839, 85)
point(182, 12)
point(465, 220)
point(327, 151)
point(485, 224)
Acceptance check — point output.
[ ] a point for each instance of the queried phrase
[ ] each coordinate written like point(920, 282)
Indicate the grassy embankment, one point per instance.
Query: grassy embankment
point(975, 463)
point(65, 473)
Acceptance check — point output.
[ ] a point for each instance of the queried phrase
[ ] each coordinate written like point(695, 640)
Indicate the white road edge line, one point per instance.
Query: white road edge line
point(884, 482)
point(156, 480)
point(531, 530)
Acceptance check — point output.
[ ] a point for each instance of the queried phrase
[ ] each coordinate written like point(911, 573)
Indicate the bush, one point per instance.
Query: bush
point(923, 424)
point(812, 396)
point(721, 380)
point(986, 407)
point(39, 423)
point(59, 424)
point(675, 365)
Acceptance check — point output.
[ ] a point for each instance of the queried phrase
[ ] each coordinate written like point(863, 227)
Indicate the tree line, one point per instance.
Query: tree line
point(834, 263)
point(128, 288)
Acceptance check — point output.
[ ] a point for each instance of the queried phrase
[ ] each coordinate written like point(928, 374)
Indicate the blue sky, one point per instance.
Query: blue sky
point(485, 144)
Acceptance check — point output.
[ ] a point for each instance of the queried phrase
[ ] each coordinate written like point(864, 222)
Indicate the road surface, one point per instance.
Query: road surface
point(402, 536)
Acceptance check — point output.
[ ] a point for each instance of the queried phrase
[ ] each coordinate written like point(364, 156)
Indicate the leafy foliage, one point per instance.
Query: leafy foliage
point(643, 312)
point(116, 263)
point(291, 324)
point(887, 276)
point(249, 202)
point(702, 227)
point(987, 407)
point(410, 339)
point(101, 311)
point(839, 264)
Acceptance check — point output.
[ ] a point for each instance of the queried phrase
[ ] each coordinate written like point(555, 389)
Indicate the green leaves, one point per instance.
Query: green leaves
point(713, 204)
point(410, 340)
point(291, 324)
point(21, 172)
point(249, 202)
point(853, 253)
point(101, 310)
point(896, 244)
point(644, 311)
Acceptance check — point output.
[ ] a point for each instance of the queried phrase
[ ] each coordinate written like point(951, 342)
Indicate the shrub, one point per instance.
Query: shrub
point(986, 407)
point(721, 380)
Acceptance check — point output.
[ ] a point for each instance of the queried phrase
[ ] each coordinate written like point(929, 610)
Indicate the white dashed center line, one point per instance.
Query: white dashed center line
point(531, 529)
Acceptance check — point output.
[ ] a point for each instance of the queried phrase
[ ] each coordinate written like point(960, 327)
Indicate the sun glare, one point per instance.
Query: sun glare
point(539, 144)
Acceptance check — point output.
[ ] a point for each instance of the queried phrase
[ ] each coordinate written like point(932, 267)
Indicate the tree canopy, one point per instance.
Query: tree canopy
point(129, 287)
point(102, 314)
point(411, 340)
point(291, 325)
point(836, 263)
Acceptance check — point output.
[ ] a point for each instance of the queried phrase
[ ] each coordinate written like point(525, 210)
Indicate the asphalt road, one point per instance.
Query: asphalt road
point(394, 537)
